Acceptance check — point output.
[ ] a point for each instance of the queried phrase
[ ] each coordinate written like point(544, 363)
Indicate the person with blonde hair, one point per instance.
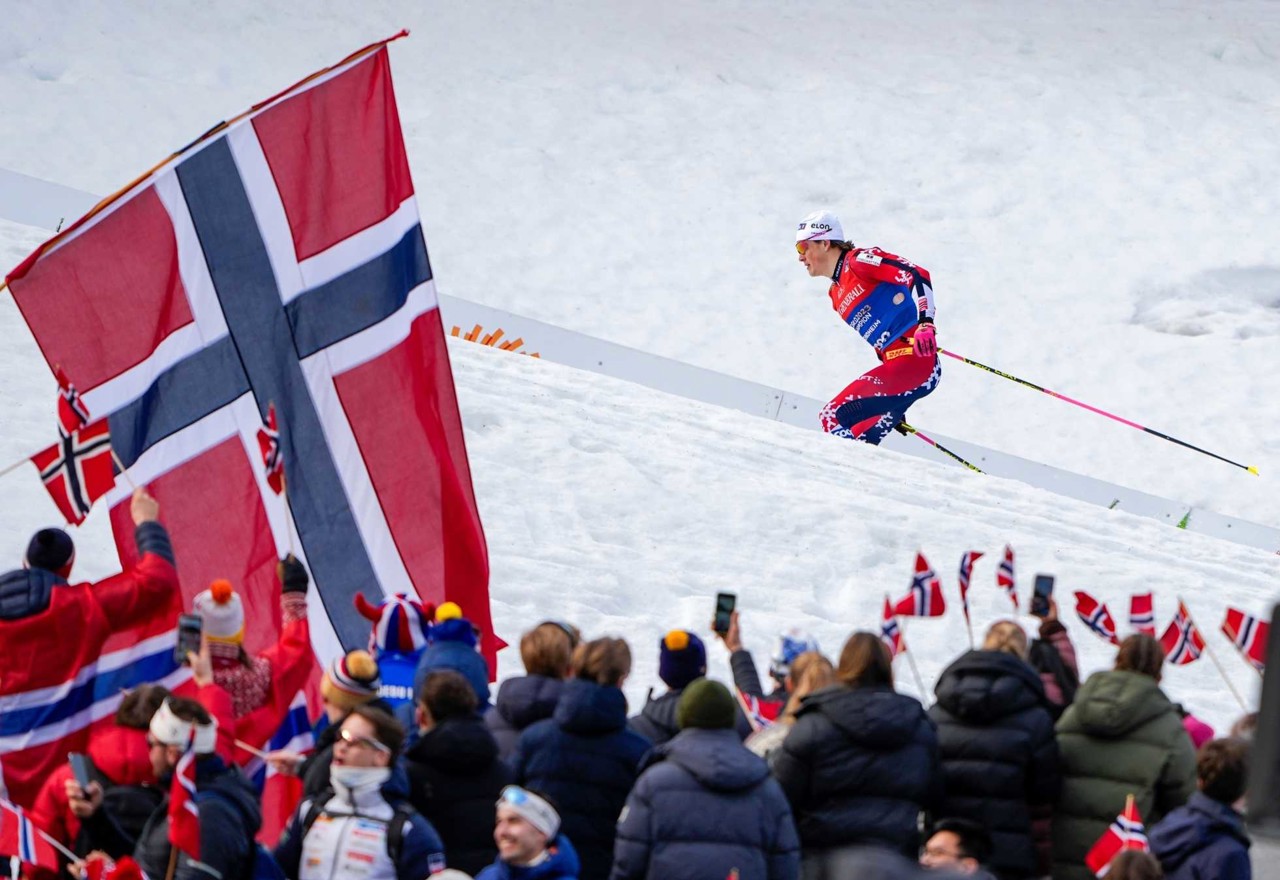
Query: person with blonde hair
point(997, 747)
point(809, 672)
point(860, 763)
point(584, 756)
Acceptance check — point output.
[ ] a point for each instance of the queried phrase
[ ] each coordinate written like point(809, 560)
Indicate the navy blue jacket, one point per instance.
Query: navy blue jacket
point(521, 701)
point(586, 759)
point(458, 656)
point(1203, 839)
point(562, 865)
point(858, 767)
point(998, 752)
point(705, 806)
point(657, 720)
point(455, 777)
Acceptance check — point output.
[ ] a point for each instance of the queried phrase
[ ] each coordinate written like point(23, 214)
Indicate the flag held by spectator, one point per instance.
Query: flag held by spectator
point(1142, 615)
point(1126, 831)
point(1249, 635)
point(1182, 641)
point(1004, 576)
point(72, 413)
point(891, 632)
point(760, 713)
point(1096, 616)
point(184, 815)
point(78, 470)
point(269, 446)
point(20, 838)
point(966, 571)
point(925, 598)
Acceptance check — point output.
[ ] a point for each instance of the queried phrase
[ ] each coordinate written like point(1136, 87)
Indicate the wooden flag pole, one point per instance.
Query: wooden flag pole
point(969, 626)
point(124, 472)
point(288, 511)
point(1208, 649)
point(13, 467)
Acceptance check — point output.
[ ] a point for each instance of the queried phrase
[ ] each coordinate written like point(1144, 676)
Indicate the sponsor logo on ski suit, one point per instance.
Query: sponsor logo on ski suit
point(880, 295)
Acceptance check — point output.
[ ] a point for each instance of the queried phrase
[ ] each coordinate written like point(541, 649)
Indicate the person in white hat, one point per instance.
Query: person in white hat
point(888, 301)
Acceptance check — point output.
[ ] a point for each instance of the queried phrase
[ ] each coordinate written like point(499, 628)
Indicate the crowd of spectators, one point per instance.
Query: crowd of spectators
point(1014, 771)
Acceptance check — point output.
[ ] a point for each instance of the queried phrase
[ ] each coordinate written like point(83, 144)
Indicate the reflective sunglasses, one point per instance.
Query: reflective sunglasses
point(514, 795)
point(356, 741)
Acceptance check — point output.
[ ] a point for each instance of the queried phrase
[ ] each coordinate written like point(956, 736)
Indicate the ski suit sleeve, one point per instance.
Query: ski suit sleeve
point(634, 840)
point(154, 580)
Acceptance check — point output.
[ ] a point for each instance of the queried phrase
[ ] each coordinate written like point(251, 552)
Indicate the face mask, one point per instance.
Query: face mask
point(359, 778)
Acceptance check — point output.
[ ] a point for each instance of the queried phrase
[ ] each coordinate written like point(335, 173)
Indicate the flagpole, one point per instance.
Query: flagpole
point(969, 626)
point(259, 753)
point(1208, 649)
point(124, 472)
point(13, 467)
point(911, 661)
point(288, 511)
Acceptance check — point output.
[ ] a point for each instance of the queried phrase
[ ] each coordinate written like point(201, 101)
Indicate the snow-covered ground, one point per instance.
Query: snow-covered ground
point(1094, 186)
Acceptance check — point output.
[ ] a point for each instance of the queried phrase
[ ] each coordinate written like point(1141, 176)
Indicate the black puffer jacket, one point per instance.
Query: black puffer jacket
point(998, 752)
point(657, 720)
point(229, 820)
point(858, 767)
point(521, 701)
point(455, 776)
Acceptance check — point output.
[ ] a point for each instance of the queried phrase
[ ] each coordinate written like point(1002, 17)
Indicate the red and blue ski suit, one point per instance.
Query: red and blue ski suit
point(884, 298)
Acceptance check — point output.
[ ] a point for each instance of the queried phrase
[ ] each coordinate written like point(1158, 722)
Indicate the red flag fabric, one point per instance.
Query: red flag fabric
point(891, 632)
point(925, 598)
point(279, 259)
point(1142, 615)
point(78, 470)
point(19, 837)
point(966, 571)
point(184, 813)
point(72, 413)
point(1125, 832)
point(1182, 641)
point(1249, 635)
point(1005, 578)
point(269, 446)
point(1096, 616)
point(760, 713)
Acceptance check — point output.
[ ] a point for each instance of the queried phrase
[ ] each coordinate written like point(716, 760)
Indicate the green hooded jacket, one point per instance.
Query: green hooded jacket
point(1121, 736)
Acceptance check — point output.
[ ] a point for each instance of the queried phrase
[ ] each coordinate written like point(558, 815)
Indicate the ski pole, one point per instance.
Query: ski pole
point(1093, 409)
point(904, 429)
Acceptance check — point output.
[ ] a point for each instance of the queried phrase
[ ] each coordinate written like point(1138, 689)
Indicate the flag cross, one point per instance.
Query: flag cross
point(72, 451)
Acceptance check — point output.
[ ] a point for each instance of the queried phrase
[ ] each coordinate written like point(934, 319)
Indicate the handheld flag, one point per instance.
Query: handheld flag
point(269, 446)
point(1126, 831)
point(184, 815)
point(966, 571)
point(1096, 616)
point(1142, 615)
point(1004, 576)
point(78, 470)
point(890, 632)
point(925, 598)
point(1249, 635)
point(72, 413)
point(760, 713)
point(20, 838)
point(1182, 641)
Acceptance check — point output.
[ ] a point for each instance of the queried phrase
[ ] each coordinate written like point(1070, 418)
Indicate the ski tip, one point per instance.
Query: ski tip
point(1253, 470)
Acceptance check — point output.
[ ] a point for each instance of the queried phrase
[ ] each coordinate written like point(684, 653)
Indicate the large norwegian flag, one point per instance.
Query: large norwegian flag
point(278, 259)
point(1182, 641)
point(1095, 615)
point(1249, 635)
point(925, 598)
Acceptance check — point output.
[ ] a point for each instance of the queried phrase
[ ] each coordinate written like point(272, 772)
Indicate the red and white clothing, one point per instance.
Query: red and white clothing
point(883, 298)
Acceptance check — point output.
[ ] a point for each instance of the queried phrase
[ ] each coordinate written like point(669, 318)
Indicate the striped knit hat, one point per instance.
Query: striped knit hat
point(351, 680)
point(399, 624)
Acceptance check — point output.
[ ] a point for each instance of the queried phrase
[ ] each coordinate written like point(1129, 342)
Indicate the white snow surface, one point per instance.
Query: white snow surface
point(1093, 185)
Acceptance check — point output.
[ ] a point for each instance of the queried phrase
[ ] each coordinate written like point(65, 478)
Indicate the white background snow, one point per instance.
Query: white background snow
point(1094, 185)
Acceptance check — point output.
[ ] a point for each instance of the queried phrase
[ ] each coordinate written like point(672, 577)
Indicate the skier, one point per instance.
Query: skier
point(889, 302)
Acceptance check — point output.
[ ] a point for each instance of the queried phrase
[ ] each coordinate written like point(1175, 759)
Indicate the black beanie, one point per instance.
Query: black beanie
point(50, 549)
point(708, 705)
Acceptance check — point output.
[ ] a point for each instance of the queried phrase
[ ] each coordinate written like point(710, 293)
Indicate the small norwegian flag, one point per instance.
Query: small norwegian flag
point(269, 446)
point(1004, 576)
point(1182, 641)
point(891, 632)
point(20, 838)
point(72, 413)
point(1249, 635)
point(184, 815)
point(925, 598)
point(1126, 831)
point(1096, 616)
point(966, 571)
point(78, 470)
point(760, 713)
point(1142, 614)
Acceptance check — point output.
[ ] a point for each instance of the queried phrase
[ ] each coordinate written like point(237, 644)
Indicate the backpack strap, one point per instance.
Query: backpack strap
point(316, 808)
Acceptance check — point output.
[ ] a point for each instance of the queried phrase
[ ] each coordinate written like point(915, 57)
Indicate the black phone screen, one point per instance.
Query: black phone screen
point(189, 629)
point(1040, 596)
point(725, 603)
